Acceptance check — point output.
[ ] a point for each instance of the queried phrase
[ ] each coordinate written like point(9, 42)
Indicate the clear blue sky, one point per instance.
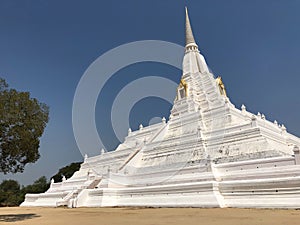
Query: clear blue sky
point(45, 47)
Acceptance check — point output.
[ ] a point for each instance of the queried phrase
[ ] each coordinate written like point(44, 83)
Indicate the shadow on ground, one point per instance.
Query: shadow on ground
point(17, 217)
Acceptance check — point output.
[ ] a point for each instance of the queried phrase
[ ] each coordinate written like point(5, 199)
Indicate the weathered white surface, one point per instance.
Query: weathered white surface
point(209, 154)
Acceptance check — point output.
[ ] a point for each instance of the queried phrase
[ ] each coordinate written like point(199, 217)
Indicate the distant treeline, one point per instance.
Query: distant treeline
point(13, 194)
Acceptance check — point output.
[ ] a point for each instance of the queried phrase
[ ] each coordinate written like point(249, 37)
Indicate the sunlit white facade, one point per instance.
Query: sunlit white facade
point(207, 154)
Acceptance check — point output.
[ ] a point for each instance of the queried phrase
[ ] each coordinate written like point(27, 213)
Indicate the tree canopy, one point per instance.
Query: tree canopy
point(39, 186)
point(22, 123)
point(11, 194)
point(67, 171)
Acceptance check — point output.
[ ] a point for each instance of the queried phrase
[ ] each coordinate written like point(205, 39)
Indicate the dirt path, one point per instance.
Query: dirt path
point(149, 216)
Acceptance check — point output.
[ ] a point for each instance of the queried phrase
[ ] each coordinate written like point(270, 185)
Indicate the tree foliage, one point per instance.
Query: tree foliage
point(39, 186)
point(67, 171)
point(11, 194)
point(22, 123)
point(9, 191)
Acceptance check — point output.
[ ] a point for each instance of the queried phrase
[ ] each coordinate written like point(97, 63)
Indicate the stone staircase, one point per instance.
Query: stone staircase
point(68, 200)
point(131, 156)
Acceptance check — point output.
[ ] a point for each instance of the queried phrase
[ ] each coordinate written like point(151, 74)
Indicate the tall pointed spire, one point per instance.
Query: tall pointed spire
point(189, 38)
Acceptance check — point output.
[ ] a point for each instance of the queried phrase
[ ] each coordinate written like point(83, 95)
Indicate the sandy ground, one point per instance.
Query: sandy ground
point(149, 216)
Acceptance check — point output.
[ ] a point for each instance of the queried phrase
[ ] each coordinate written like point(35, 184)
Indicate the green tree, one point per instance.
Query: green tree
point(22, 123)
point(9, 193)
point(67, 171)
point(39, 186)
point(12, 195)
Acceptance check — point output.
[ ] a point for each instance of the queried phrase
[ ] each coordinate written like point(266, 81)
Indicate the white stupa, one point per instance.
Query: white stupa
point(208, 154)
